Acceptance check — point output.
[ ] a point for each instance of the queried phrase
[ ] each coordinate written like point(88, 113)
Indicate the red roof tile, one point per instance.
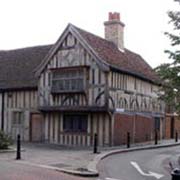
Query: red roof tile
point(126, 61)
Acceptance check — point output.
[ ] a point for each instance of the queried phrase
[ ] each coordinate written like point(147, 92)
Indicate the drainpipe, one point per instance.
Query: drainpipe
point(2, 112)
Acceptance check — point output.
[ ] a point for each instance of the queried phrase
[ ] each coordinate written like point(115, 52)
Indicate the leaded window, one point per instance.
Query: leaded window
point(17, 118)
point(68, 80)
point(75, 123)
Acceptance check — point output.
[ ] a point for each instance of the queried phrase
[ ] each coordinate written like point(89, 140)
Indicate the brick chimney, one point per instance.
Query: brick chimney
point(114, 30)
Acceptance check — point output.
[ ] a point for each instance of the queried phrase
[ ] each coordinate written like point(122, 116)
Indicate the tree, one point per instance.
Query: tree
point(5, 140)
point(170, 72)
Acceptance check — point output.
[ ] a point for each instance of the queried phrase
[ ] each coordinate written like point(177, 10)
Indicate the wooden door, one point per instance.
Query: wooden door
point(36, 127)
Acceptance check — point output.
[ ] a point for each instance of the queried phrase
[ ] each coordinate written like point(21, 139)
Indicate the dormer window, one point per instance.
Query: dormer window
point(71, 79)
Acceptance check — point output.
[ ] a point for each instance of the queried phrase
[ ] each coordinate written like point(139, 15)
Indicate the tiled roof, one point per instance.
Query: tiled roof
point(17, 66)
point(126, 61)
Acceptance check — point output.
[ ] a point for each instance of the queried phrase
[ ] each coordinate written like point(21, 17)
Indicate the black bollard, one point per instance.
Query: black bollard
point(176, 137)
point(156, 137)
point(18, 154)
point(128, 139)
point(95, 143)
point(175, 174)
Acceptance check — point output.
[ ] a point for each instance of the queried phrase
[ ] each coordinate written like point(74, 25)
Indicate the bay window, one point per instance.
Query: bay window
point(68, 80)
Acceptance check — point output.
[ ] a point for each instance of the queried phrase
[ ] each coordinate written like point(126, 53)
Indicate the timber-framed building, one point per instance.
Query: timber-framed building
point(81, 85)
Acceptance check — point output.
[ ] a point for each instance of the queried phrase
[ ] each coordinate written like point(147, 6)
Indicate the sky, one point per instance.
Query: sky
point(25, 23)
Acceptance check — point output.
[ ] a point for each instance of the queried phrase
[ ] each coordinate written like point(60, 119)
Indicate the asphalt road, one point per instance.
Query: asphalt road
point(140, 165)
point(12, 170)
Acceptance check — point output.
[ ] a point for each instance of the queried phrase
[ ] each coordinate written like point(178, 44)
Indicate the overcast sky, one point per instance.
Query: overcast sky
point(27, 23)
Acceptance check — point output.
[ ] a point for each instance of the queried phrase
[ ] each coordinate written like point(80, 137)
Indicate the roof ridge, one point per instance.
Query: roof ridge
point(95, 35)
point(107, 41)
point(24, 48)
point(128, 61)
point(103, 39)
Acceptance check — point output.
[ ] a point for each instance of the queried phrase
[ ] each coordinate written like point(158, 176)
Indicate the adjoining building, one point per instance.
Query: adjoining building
point(81, 85)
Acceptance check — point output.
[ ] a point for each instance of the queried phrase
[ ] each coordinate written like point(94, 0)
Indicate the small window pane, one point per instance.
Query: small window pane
point(70, 80)
point(17, 118)
point(75, 123)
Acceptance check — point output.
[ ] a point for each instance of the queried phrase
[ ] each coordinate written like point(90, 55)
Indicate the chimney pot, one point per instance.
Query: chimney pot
point(110, 16)
point(114, 16)
point(118, 16)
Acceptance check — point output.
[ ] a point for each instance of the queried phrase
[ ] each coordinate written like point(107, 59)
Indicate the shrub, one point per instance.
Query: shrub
point(5, 140)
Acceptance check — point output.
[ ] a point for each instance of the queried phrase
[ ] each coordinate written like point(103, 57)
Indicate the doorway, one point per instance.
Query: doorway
point(36, 127)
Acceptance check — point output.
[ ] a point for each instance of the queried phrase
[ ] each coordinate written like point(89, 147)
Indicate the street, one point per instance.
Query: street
point(13, 170)
point(39, 160)
point(140, 165)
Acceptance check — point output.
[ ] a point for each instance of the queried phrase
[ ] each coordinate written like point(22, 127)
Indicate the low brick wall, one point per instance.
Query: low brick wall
point(144, 128)
point(177, 124)
point(122, 124)
point(172, 124)
point(141, 128)
point(168, 127)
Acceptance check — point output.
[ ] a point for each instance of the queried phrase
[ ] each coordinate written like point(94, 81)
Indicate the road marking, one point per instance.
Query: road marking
point(152, 174)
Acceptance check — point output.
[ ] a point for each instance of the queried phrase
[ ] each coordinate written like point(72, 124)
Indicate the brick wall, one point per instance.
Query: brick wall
point(144, 128)
point(114, 30)
point(141, 128)
point(177, 125)
point(168, 127)
point(122, 124)
point(171, 127)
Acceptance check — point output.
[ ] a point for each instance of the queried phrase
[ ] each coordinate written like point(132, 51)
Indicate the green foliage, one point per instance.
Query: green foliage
point(5, 140)
point(170, 73)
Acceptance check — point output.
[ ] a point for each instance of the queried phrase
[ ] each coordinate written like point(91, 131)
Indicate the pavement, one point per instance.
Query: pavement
point(74, 160)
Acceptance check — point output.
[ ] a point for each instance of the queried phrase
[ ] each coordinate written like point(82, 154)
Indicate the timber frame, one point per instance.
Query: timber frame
point(111, 93)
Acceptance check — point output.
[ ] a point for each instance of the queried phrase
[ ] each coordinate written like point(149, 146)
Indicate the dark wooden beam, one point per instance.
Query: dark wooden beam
point(69, 68)
point(72, 109)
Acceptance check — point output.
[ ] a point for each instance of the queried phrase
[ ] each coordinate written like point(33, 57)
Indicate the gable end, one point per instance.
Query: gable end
point(71, 29)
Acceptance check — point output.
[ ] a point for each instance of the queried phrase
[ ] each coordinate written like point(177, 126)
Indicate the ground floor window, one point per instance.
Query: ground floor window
point(17, 118)
point(75, 123)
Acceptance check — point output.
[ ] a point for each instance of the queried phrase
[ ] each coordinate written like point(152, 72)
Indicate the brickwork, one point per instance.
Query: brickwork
point(122, 124)
point(144, 128)
point(168, 127)
point(114, 30)
point(141, 128)
point(171, 126)
point(177, 124)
